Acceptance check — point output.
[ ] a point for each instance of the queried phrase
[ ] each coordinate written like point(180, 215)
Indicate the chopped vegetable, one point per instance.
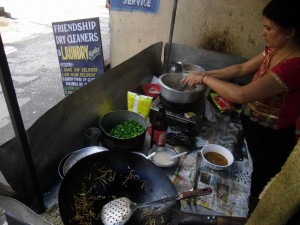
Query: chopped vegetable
point(127, 129)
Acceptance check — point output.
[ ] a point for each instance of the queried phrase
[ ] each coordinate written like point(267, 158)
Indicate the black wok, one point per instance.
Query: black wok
point(104, 176)
point(99, 178)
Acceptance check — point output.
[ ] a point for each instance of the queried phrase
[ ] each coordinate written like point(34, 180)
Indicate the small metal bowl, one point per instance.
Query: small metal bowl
point(79, 154)
point(161, 158)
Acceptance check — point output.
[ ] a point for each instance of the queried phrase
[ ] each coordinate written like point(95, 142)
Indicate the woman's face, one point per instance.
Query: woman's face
point(275, 37)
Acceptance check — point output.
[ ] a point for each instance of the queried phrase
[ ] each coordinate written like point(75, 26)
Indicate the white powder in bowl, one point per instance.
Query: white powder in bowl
point(163, 158)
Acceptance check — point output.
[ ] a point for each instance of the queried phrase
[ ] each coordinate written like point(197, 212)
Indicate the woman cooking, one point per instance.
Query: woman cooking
point(271, 101)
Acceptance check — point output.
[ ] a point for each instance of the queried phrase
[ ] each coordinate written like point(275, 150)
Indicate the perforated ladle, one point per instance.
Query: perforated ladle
point(119, 211)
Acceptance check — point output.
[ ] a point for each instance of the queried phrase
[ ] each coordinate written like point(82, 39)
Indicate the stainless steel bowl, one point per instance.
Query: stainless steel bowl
point(79, 154)
point(172, 90)
point(162, 156)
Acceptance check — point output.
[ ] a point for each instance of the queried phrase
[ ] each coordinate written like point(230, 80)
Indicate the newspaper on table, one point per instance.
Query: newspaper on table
point(231, 187)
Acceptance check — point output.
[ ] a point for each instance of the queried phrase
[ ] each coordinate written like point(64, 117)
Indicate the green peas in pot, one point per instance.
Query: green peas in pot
point(127, 129)
point(123, 130)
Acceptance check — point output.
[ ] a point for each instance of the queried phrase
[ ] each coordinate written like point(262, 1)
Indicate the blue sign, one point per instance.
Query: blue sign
point(147, 6)
point(79, 51)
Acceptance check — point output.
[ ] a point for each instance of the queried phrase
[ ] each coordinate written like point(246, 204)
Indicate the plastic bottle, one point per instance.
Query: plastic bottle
point(159, 128)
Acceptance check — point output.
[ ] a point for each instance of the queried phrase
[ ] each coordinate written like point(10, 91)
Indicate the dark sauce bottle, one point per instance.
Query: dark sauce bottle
point(159, 128)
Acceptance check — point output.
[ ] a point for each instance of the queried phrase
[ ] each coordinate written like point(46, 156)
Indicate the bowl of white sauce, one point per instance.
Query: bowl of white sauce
point(163, 156)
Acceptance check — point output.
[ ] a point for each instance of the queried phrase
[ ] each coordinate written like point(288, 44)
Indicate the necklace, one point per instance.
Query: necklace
point(292, 53)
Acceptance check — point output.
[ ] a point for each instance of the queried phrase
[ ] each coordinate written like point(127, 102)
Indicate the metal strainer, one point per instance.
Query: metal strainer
point(119, 211)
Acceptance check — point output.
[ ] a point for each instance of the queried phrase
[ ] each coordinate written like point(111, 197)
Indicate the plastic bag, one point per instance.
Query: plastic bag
point(140, 104)
point(223, 104)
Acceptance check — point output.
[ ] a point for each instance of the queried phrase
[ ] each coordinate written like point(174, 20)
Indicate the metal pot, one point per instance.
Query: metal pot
point(176, 93)
point(111, 120)
point(186, 68)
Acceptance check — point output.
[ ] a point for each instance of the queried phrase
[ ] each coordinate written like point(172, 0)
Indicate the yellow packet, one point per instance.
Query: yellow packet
point(140, 104)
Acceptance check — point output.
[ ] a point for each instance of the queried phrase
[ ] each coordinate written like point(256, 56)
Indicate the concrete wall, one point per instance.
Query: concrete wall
point(228, 26)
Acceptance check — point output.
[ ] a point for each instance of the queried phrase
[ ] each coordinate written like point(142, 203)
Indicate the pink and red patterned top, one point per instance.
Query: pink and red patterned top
point(280, 111)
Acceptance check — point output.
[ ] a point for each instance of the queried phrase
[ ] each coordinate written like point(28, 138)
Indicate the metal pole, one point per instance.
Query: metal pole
point(17, 122)
point(167, 60)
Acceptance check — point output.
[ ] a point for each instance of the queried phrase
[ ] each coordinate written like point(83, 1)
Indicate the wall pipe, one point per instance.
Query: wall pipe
point(167, 60)
point(18, 125)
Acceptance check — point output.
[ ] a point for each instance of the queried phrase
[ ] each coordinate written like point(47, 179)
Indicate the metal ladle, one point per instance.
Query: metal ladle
point(119, 211)
point(176, 67)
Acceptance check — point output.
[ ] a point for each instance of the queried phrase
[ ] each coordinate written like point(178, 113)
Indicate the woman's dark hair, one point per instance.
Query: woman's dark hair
point(284, 13)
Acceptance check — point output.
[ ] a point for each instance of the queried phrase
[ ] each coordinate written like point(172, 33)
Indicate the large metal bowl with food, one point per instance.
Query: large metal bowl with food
point(123, 130)
point(175, 92)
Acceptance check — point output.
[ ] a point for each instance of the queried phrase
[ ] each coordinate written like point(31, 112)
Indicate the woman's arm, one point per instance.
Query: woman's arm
point(238, 70)
point(230, 72)
point(260, 89)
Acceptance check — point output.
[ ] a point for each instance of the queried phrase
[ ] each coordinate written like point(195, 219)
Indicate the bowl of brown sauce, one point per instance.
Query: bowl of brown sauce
point(216, 156)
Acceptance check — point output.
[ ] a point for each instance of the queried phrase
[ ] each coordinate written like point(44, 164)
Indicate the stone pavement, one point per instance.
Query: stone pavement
point(33, 17)
point(31, 53)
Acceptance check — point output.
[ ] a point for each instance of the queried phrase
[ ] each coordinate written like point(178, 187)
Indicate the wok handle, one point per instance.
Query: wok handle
point(180, 196)
point(194, 193)
point(196, 219)
point(196, 173)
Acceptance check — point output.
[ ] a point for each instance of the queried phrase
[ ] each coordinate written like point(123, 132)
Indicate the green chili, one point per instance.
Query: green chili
point(127, 129)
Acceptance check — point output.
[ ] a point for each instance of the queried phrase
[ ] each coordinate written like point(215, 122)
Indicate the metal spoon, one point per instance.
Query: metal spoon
point(151, 155)
point(119, 211)
point(177, 156)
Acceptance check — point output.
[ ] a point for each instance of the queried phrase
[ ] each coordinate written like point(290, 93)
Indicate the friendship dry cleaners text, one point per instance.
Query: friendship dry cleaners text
point(72, 39)
point(79, 37)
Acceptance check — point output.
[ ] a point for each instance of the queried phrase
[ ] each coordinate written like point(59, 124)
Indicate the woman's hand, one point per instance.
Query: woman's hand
point(193, 78)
